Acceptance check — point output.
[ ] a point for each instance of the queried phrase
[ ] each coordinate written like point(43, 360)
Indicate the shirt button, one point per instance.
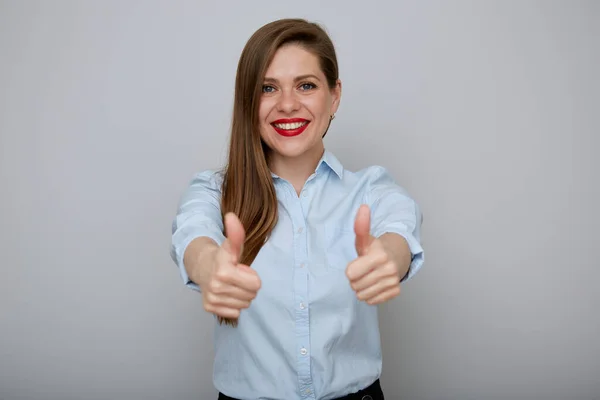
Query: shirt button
point(300, 230)
point(302, 265)
point(307, 391)
point(302, 307)
point(303, 351)
point(305, 193)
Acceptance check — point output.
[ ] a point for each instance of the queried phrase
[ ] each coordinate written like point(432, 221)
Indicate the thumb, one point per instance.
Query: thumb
point(235, 236)
point(362, 229)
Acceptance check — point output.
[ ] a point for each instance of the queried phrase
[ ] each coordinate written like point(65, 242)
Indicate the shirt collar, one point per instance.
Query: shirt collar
point(327, 160)
point(332, 162)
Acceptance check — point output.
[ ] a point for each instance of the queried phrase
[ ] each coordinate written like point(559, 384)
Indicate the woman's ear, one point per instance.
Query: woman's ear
point(336, 94)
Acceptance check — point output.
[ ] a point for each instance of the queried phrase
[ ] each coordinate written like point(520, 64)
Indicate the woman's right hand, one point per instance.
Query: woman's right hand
point(227, 286)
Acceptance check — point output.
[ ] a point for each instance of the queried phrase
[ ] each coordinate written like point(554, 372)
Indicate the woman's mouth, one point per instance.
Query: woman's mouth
point(290, 127)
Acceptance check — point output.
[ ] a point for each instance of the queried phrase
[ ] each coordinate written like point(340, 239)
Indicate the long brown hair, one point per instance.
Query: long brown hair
point(248, 189)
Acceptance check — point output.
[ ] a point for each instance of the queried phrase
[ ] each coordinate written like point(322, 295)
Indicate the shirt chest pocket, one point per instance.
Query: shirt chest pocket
point(340, 247)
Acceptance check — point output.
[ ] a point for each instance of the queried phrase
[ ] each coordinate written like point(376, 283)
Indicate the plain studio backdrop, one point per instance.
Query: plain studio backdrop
point(486, 111)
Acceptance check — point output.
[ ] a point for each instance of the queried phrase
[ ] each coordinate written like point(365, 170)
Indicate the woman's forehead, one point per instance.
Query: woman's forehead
point(291, 62)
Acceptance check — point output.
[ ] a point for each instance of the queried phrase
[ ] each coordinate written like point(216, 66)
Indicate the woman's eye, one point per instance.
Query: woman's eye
point(307, 86)
point(268, 89)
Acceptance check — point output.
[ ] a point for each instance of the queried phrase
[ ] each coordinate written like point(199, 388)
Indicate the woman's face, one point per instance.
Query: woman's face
point(296, 104)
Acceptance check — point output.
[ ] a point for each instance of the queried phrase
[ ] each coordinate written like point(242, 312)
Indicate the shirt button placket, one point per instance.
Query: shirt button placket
point(301, 296)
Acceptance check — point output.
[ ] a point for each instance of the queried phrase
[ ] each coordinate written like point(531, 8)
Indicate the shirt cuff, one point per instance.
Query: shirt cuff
point(416, 251)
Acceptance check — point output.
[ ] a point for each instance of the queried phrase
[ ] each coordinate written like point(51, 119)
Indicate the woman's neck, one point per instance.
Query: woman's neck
point(296, 170)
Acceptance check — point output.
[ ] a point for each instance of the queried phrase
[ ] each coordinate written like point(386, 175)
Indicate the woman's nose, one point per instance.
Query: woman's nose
point(288, 101)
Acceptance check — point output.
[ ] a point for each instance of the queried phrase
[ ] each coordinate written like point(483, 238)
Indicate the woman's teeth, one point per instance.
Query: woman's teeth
point(290, 126)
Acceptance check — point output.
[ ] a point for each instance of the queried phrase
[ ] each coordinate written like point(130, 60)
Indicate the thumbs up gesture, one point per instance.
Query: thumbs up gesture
point(373, 275)
point(229, 286)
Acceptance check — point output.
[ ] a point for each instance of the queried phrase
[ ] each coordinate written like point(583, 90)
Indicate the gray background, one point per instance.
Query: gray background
point(487, 112)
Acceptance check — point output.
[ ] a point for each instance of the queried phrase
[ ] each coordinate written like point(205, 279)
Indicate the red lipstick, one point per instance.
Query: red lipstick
point(292, 131)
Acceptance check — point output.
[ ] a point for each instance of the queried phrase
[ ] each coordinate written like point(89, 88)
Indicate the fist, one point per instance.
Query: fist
point(373, 275)
point(230, 286)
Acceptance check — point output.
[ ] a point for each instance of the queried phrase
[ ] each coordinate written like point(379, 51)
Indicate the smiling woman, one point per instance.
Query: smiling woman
point(297, 102)
point(295, 304)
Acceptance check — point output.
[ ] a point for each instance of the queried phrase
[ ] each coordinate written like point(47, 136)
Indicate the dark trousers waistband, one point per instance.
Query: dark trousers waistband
point(373, 392)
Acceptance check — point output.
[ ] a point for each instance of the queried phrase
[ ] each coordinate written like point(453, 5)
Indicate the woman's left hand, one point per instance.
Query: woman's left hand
point(374, 275)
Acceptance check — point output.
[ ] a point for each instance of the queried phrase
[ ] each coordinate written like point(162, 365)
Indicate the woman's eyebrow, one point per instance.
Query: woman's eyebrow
point(298, 78)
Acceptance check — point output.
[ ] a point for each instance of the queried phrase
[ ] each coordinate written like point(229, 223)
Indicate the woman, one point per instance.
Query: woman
point(291, 252)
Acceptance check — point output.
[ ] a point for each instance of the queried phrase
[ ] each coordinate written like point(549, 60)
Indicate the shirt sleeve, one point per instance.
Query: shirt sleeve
point(394, 211)
point(198, 215)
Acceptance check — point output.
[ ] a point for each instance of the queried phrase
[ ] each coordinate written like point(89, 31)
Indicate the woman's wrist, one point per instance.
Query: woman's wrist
point(199, 259)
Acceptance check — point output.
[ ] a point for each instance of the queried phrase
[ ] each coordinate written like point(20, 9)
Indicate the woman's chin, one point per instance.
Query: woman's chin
point(294, 150)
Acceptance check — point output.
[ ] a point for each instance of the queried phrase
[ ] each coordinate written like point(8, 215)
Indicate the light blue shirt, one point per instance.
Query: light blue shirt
point(305, 335)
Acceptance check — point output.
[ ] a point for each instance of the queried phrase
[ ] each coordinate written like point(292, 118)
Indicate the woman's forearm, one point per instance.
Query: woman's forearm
point(198, 258)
